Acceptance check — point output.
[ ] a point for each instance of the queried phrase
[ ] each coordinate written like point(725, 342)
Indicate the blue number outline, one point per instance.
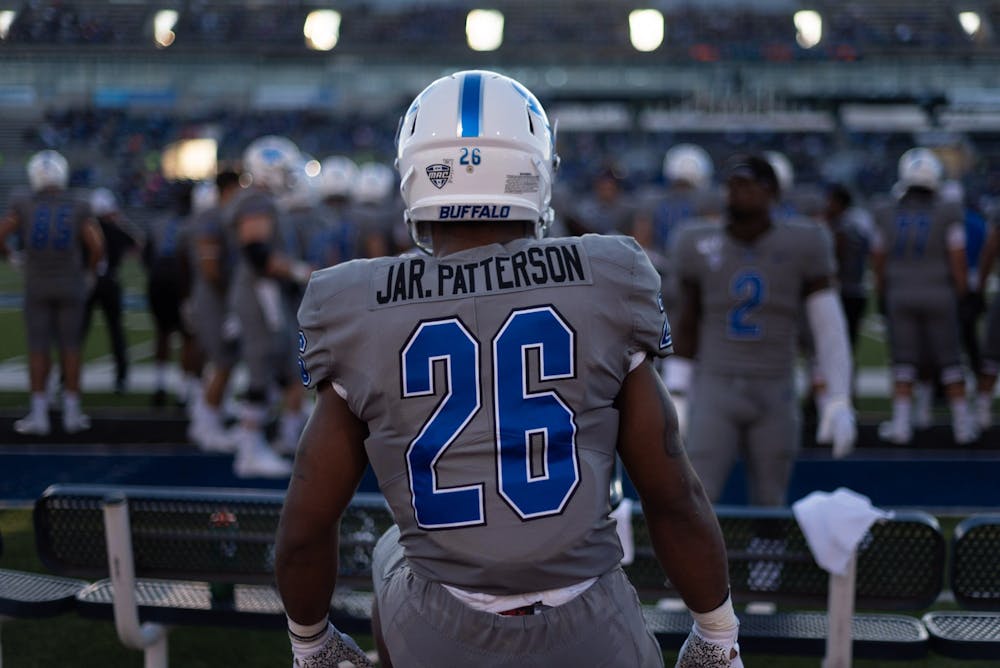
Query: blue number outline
point(547, 372)
point(417, 444)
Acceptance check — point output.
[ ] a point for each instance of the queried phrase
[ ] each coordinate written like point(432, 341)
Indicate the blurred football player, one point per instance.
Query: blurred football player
point(338, 236)
point(374, 208)
point(990, 367)
point(495, 378)
point(214, 263)
point(918, 257)
point(58, 231)
point(742, 288)
point(120, 237)
point(265, 270)
point(169, 277)
point(688, 171)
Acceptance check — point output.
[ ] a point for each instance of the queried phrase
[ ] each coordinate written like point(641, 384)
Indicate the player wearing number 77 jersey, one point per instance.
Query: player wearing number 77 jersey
point(743, 285)
point(491, 385)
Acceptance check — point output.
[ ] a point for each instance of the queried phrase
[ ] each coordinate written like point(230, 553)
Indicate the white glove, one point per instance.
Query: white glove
point(837, 426)
point(327, 649)
point(697, 652)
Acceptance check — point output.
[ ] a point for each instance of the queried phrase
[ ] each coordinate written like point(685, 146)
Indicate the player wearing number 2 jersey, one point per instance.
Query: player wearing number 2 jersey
point(491, 386)
point(743, 287)
point(62, 246)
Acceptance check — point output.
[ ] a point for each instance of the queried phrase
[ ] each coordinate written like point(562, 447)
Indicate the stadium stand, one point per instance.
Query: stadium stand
point(974, 575)
point(34, 595)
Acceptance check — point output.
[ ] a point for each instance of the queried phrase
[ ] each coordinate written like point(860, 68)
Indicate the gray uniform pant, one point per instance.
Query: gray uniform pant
point(424, 626)
point(753, 417)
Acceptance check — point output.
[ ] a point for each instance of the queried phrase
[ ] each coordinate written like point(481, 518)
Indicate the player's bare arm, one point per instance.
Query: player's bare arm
point(328, 467)
point(685, 532)
point(93, 239)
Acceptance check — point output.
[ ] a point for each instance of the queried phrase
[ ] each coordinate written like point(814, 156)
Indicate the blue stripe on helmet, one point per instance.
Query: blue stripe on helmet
point(470, 105)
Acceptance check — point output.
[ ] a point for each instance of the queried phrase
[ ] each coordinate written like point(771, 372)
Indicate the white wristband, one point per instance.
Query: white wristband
point(305, 631)
point(719, 625)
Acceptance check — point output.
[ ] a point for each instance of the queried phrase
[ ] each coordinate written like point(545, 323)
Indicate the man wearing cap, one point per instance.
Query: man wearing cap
point(742, 286)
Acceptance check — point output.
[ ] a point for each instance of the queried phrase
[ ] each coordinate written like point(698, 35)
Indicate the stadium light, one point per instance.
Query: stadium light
point(808, 28)
point(6, 19)
point(971, 22)
point(313, 168)
point(322, 29)
point(484, 29)
point(163, 27)
point(645, 29)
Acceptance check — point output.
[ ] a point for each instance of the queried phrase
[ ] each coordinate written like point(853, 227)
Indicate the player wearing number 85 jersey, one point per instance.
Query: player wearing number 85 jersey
point(742, 287)
point(491, 386)
point(62, 247)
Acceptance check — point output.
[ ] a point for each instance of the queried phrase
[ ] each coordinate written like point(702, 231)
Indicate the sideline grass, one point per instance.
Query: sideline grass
point(75, 642)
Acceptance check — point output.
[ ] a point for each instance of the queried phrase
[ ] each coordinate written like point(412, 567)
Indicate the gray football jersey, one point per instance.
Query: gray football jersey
point(751, 294)
point(487, 380)
point(914, 237)
point(51, 226)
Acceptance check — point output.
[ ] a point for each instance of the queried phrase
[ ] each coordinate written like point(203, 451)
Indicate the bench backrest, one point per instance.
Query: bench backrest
point(900, 561)
point(214, 535)
point(975, 564)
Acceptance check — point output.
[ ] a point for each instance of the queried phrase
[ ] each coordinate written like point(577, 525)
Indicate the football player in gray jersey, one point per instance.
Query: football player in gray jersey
point(266, 273)
point(55, 228)
point(743, 286)
point(918, 257)
point(213, 262)
point(490, 386)
point(990, 368)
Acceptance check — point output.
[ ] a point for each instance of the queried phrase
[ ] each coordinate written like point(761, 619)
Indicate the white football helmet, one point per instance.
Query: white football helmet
point(337, 177)
point(270, 161)
point(688, 163)
point(476, 146)
point(204, 196)
point(103, 202)
point(783, 169)
point(920, 168)
point(48, 169)
point(374, 183)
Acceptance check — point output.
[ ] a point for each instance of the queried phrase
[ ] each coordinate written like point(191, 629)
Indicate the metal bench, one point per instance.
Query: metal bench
point(974, 575)
point(900, 566)
point(193, 556)
point(34, 595)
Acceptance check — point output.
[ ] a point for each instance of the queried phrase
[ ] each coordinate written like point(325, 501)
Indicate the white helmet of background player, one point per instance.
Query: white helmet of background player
point(337, 177)
point(373, 184)
point(688, 163)
point(476, 146)
point(48, 169)
point(103, 202)
point(783, 169)
point(920, 168)
point(270, 161)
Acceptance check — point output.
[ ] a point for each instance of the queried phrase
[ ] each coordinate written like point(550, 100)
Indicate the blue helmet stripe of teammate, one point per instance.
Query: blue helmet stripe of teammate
point(470, 105)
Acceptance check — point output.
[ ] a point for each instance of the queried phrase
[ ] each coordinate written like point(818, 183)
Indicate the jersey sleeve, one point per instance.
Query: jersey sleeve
point(651, 330)
point(318, 319)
